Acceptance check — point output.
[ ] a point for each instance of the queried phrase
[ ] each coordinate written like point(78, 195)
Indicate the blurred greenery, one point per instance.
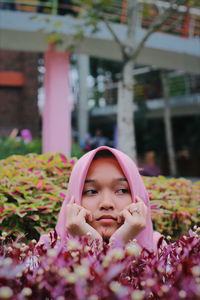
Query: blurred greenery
point(9, 146)
point(76, 150)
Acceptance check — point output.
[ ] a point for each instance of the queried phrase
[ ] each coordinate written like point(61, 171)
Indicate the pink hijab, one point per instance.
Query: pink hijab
point(76, 183)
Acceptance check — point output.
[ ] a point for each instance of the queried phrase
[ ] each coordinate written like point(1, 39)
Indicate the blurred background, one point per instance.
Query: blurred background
point(27, 27)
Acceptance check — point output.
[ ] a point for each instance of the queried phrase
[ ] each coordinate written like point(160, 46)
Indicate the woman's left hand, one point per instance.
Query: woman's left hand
point(135, 218)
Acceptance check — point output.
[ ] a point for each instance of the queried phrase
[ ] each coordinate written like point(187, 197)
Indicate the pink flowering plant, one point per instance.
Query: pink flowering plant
point(174, 204)
point(33, 187)
point(83, 269)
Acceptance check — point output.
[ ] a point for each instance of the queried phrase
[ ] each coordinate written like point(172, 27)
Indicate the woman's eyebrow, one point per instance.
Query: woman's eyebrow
point(122, 179)
point(89, 180)
point(117, 179)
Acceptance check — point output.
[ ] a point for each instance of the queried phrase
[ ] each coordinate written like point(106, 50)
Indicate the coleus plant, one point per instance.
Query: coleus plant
point(33, 187)
point(82, 269)
point(174, 204)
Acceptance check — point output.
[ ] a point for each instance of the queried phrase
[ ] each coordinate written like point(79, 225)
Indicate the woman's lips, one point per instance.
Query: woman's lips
point(107, 219)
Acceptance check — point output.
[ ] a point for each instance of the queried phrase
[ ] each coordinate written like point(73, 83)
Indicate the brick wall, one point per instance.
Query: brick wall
point(18, 104)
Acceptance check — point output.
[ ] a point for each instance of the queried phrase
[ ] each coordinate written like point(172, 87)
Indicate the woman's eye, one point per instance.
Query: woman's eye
point(90, 192)
point(123, 191)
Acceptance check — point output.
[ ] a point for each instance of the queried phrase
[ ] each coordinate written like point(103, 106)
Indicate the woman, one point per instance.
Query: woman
point(106, 198)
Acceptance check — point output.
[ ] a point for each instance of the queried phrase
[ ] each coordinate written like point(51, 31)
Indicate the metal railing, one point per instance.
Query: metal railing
point(181, 86)
point(117, 12)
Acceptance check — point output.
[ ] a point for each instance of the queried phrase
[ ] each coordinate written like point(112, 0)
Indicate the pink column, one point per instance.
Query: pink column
point(56, 131)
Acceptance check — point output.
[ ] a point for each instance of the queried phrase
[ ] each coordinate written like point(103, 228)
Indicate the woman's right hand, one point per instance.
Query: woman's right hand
point(76, 221)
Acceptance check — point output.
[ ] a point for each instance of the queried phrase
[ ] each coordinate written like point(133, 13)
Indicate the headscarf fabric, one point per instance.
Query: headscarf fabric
point(137, 187)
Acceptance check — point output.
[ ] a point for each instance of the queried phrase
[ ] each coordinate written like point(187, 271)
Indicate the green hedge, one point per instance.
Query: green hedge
point(9, 146)
point(33, 187)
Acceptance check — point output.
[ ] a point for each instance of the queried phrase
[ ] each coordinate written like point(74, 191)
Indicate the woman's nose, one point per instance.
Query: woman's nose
point(106, 202)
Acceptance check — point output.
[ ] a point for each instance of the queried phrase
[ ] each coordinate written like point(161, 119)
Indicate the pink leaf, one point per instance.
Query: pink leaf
point(51, 158)
point(35, 218)
point(62, 195)
point(38, 185)
point(63, 158)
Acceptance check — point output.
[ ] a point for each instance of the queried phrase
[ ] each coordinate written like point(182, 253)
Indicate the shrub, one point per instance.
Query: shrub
point(10, 147)
point(174, 203)
point(33, 187)
point(82, 270)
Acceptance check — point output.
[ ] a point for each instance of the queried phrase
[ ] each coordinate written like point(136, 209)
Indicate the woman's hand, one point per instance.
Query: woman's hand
point(76, 221)
point(134, 217)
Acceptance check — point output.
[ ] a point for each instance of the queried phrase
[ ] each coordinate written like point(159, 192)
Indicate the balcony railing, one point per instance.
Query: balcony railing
point(189, 24)
point(183, 89)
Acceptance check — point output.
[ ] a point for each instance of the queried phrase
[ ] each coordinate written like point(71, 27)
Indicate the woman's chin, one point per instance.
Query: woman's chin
point(106, 232)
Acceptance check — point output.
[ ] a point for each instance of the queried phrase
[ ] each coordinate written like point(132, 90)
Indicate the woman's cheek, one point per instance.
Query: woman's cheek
point(89, 204)
point(123, 202)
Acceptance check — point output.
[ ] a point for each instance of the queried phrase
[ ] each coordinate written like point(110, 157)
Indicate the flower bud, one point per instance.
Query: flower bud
point(196, 271)
point(60, 298)
point(133, 249)
point(7, 261)
point(164, 288)
point(40, 271)
point(18, 275)
point(115, 286)
point(73, 245)
point(27, 292)
point(93, 297)
point(72, 278)
point(150, 282)
point(182, 294)
point(52, 252)
point(137, 295)
point(34, 241)
point(82, 271)
point(5, 292)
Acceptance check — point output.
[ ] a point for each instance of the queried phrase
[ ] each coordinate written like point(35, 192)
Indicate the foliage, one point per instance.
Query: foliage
point(82, 269)
point(76, 150)
point(33, 187)
point(9, 146)
point(175, 204)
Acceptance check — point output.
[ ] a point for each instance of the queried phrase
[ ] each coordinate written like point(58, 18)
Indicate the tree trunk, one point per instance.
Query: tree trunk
point(83, 119)
point(125, 114)
point(168, 127)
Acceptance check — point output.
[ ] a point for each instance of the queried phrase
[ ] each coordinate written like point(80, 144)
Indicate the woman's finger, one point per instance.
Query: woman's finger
point(125, 213)
point(84, 213)
point(138, 199)
point(120, 218)
point(72, 200)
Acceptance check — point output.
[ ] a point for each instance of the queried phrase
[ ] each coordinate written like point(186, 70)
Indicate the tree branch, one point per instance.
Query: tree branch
point(115, 36)
point(174, 24)
point(155, 26)
point(132, 17)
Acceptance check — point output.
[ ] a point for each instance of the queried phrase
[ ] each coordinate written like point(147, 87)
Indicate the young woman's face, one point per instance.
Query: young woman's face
point(106, 193)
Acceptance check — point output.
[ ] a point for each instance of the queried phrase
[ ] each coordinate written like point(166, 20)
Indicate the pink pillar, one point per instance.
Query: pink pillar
point(56, 131)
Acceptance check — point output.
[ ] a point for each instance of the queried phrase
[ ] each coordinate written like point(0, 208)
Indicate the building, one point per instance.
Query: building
point(177, 50)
